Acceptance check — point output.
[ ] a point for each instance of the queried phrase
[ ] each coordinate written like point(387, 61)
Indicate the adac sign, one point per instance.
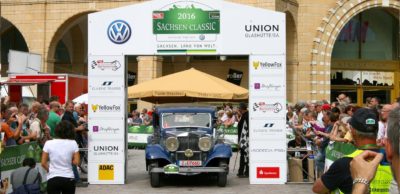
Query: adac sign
point(186, 19)
point(106, 172)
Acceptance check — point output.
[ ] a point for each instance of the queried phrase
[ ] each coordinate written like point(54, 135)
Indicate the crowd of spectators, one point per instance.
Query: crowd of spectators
point(23, 123)
point(37, 122)
point(143, 117)
point(322, 123)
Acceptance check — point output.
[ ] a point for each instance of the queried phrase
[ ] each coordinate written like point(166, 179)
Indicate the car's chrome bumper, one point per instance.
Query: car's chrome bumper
point(191, 170)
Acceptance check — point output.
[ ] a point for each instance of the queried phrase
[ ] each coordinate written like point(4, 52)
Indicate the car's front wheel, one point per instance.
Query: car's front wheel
point(154, 177)
point(222, 176)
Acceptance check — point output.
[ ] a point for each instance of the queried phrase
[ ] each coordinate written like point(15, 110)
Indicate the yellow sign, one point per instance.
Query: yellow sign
point(95, 107)
point(106, 172)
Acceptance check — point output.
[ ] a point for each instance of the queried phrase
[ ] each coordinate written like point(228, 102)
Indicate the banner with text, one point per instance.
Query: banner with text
point(12, 157)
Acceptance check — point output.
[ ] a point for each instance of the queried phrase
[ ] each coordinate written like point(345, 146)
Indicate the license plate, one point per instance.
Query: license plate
point(190, 162)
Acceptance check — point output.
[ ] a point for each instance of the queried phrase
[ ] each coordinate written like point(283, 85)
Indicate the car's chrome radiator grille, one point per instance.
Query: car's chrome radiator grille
point(190, 142)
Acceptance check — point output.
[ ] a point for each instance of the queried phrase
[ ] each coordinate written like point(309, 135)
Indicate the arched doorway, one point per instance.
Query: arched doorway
point(11, 39)
point(365, 56)
point(68, 48)
point(325, 39)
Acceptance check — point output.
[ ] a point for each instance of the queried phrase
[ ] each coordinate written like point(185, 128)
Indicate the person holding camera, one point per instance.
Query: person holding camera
point(364, 127)
point(6, 118)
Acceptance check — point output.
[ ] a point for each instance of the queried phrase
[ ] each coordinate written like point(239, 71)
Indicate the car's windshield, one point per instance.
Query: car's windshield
point(173, 120)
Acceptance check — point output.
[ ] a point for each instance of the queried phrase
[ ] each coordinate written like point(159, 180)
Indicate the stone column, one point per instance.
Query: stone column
point(48, 66)
point(149, 67)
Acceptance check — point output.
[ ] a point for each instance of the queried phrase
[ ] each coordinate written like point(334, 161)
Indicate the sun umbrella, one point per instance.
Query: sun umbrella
point(189, 85)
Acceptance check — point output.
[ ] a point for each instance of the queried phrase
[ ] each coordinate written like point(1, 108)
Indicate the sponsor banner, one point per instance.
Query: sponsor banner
point(270, 172)
point(12, 157)
point(107, 86)
point(268, 150)
point(186, 27)
point(106, 66)
point(271, 66)
point(231, 135)
point(262, 107)
point(131, 78)
point(137, 139)
point(110, 151)
point(267, 115)
point(234, 76)
point(106, 106)
point(137, 135)
point(337, 150)
point(179, 18)
point(266, 128)
point(272, 86)
point(106, 173)
point(104, 128)
point(119, 32)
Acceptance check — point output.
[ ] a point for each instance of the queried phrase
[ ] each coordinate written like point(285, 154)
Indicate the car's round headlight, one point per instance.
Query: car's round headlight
point(172, 144)
point(205, 144)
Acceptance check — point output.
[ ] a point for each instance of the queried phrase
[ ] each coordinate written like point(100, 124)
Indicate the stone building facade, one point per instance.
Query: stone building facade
point(54, 27)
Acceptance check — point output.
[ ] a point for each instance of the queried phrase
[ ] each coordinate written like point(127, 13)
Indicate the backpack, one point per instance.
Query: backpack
point(29, 188)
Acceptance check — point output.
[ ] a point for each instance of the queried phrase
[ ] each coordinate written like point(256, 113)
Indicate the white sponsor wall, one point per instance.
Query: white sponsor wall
point(267, 115)
point(167, 27)
point(107, 108)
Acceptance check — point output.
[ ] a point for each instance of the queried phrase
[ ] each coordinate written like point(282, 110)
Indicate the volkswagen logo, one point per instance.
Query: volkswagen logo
point(119, 32)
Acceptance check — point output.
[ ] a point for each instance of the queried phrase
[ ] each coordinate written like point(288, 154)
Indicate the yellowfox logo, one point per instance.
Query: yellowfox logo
point(95, 107)
point(256, 64)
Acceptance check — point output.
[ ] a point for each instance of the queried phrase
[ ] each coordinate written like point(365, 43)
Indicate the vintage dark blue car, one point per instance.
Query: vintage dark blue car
point(186, 142)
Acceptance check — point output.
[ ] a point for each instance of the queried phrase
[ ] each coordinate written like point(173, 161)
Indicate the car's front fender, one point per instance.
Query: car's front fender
point(156, 151)
point(220, 151)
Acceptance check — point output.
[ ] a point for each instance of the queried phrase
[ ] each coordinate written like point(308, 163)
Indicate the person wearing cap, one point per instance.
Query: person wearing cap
point(326, 107)
point(364, 166)
point(363, 126)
